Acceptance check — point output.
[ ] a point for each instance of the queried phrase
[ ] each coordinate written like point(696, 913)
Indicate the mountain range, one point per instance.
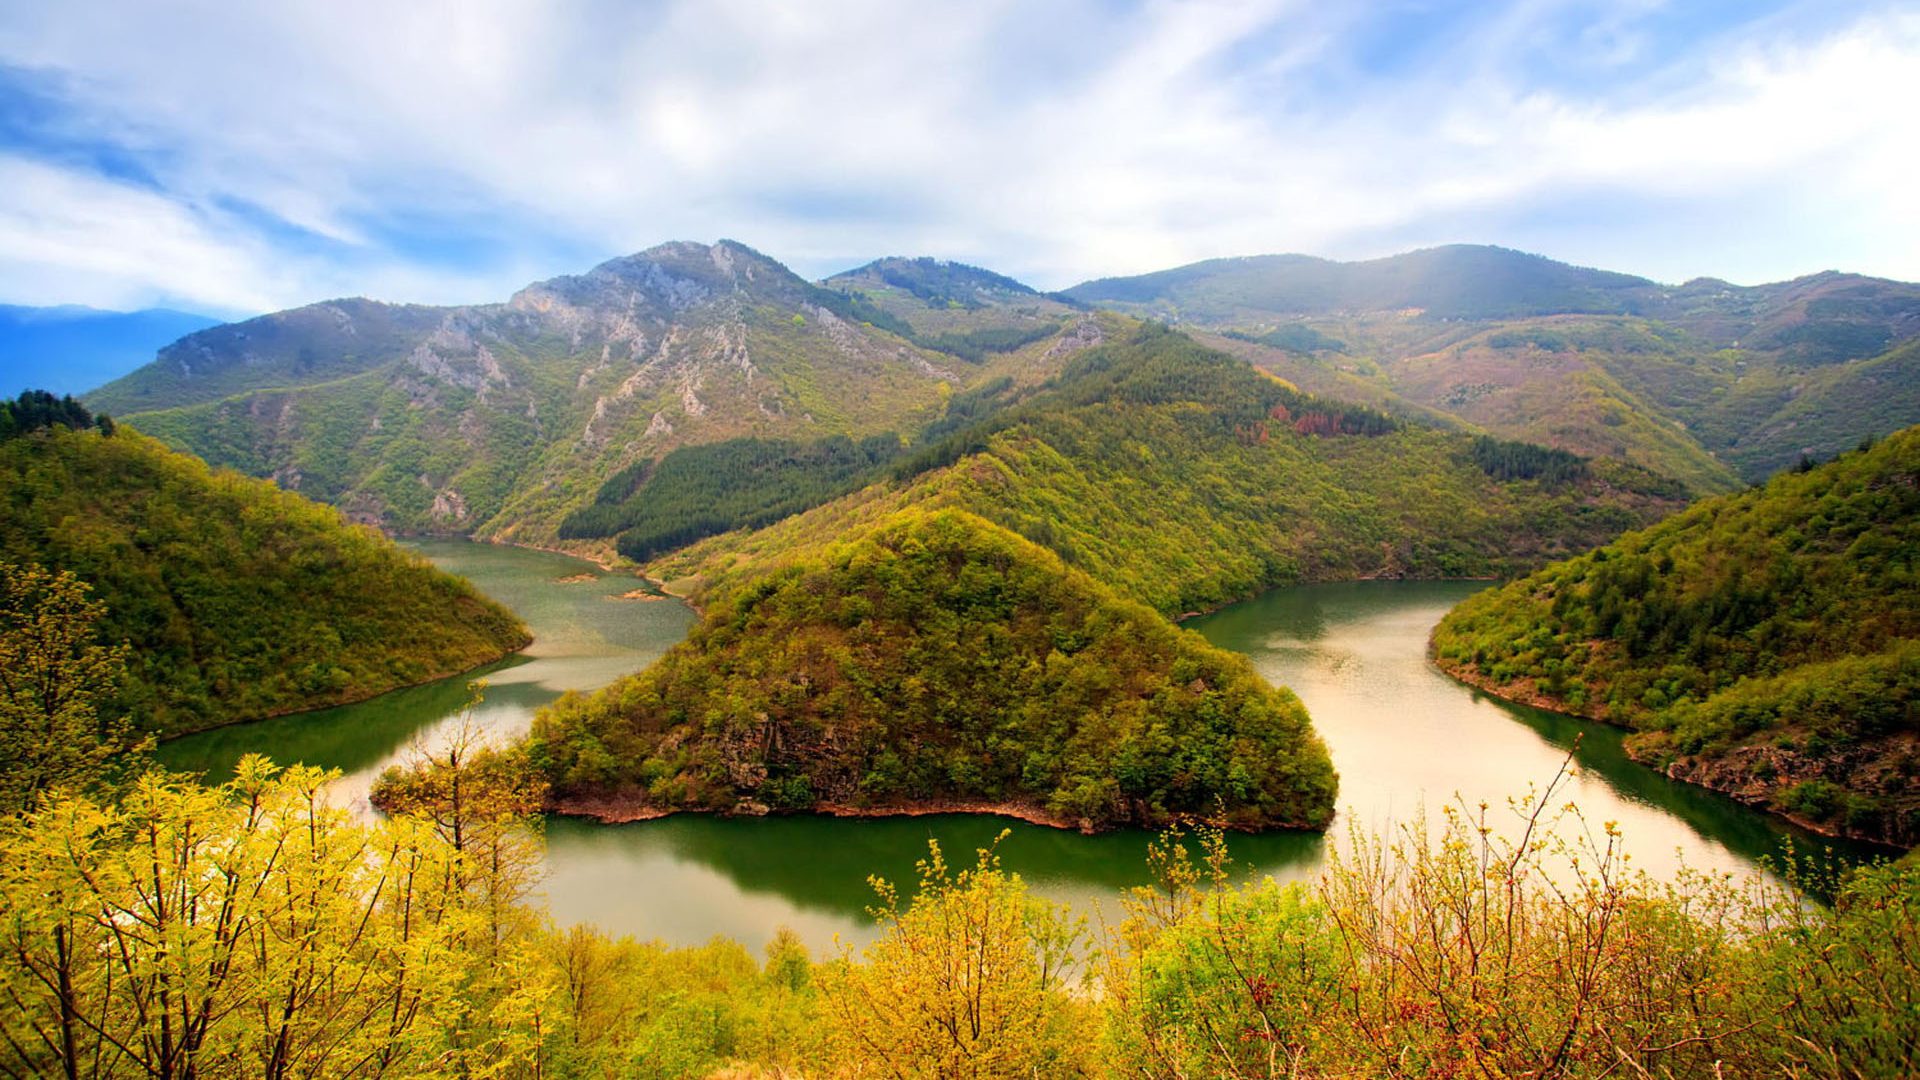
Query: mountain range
point(509, 420)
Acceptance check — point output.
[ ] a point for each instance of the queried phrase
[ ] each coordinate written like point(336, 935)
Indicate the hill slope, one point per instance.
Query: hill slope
point(1766, 644)
point(1185, 479)
point(240, 600)
point(937, 659)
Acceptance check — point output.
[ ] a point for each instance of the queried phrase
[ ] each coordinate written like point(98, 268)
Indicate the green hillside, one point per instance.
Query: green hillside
point(1185, 479)
point(1766, 644)
point(239, 600)
point(937, 659)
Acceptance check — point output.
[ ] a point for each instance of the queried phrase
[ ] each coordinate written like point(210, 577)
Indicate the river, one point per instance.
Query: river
point(1405, 739)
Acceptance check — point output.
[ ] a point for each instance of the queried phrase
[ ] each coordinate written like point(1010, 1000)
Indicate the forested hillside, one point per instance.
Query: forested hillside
point(238, 600)
point(1766, 644)
point(937, 659)
point(1185, 479)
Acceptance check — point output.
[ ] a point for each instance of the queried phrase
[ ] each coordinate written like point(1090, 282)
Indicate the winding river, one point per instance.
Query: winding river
point(1405, 738)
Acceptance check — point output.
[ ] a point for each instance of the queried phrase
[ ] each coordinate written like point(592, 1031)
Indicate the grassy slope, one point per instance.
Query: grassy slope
point(936, 658)
point(1762, 643)
point(240, 600)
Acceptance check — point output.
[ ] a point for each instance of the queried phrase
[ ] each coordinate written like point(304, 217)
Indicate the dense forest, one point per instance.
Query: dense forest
point(939, 659)
point(238, 600)
point(700, 491)
point(1766, 644)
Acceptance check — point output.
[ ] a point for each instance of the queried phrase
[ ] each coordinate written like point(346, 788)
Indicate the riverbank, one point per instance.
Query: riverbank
point(1733, 778)
point(627, 807)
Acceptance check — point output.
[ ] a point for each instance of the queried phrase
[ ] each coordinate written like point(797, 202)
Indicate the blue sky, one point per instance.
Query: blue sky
point(236, 158)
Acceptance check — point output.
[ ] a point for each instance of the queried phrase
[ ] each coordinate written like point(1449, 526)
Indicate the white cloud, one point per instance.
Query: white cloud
point(1052, 141)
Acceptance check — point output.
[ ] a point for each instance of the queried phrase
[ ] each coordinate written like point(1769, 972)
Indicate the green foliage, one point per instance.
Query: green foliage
point(36, 409)
point(1766, 643)
point(1294, 337)
point(936, 657)
point(237, 600)
point(699, 491)
point(58, 727)
point(969, 979)
point(1465, 955)
point(1505, 460)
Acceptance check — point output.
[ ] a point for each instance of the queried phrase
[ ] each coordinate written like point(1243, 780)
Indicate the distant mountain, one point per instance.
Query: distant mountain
point(1457, 282)
point(71, 349)
point(1765, 644)
point(503, 419)
point(952, 307)
point(1702, 381)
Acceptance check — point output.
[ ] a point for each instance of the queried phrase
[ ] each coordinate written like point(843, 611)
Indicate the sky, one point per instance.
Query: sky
point(238, 158)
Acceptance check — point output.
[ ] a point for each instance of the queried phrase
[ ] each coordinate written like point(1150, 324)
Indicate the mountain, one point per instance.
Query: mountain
point(952, 307)
point(933, 660)
point(70, 349)
point(239, 600)
point(1462, 281)
point(501, 420)
point(1766, 644)
point(1699, 381)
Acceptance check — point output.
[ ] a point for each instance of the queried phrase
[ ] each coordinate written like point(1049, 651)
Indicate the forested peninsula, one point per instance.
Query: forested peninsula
point(238, 600)
point(1764, 644)
point(940, 659)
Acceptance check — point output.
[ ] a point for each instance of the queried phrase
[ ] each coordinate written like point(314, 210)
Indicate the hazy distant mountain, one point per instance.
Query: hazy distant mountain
point(71, 349)
point(502, 419)
point(1457, 282)
point(1704, 381)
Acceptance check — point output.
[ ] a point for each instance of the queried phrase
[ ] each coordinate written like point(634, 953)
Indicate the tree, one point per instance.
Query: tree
point(57, 727)
point(969, 980)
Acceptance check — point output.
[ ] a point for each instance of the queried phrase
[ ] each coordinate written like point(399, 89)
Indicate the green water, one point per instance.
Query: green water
point(585, 636)
point(1404, 737)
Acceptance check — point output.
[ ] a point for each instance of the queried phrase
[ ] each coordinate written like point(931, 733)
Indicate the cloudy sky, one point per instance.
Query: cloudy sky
point(240, 157)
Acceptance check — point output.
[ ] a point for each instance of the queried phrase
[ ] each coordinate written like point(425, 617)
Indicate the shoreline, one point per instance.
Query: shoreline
point(1523, 693)
point(630, 808)
point(360, 700)
point(618, 808)
point(624, 808)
